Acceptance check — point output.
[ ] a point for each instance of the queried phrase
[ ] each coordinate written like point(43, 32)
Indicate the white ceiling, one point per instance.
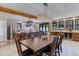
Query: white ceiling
point(55, 10)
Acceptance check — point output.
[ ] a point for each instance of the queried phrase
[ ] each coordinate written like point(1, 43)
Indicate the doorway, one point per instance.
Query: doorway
point(8, 32)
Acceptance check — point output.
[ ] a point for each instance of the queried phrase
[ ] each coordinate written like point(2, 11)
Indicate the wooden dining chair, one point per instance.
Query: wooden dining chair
point(60, 42)
point(47, 50)
point(37, 34)
point(32, 35)
point(55, 46)
point(19, 37)
point(27, 36)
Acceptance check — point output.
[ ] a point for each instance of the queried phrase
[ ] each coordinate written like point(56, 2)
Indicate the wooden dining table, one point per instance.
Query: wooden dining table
point(37, 44)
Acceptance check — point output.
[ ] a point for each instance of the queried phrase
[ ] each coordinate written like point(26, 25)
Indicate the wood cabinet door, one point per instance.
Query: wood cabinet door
point(76, 36)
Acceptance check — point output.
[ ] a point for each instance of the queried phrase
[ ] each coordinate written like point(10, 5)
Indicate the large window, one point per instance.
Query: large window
point(44, 27)
point(77, 24)
point(69, 24)
point(61, 24)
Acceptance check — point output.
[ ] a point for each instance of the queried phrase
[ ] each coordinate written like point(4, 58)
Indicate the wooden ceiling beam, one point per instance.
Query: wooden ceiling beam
point(11, 11)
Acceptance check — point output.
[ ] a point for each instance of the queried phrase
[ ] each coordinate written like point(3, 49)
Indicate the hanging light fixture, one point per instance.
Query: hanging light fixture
point(46, 12)
point(45, 9)
point(44, 17)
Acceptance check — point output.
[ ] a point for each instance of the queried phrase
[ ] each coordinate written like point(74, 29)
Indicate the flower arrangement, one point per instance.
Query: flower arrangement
point(45, 37)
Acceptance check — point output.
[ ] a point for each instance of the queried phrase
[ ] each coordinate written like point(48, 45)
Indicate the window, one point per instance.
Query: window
point(19, 26)
point(54, 24)
point(44, 27)
point(69, 24)
point(77, 24)
point(61, 24)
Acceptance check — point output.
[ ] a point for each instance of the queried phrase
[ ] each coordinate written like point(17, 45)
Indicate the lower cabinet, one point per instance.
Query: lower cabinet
point(76, 36)
point(54, 33)
point(69, 36)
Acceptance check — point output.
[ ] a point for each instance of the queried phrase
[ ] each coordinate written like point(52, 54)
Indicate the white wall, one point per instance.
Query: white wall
point(3, 30)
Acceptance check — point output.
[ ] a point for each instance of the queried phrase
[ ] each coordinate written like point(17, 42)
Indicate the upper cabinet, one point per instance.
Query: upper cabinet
point(77, 24)
point(69, 24)
point(61, 24)
point(66, 24)
point(54, 24)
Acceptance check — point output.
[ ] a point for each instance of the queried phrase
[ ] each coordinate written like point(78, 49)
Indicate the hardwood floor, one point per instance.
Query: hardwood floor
point(70, 48)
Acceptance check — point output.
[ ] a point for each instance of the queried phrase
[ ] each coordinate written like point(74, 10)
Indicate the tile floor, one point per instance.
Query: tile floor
point(70, 48)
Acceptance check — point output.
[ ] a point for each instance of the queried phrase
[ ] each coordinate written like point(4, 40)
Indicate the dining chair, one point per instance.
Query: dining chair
point(37, 34)
point(60, 42)
point(55, 46)
point(46, 50)
point(32, 35)
point(27, 35)
point(19, 37)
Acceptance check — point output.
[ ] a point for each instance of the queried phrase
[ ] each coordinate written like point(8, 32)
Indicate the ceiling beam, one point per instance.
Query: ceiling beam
point(11, 11)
